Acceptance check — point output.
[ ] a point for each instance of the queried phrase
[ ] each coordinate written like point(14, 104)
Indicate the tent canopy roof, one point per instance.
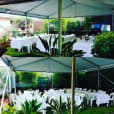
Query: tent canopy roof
point(58, 64)
point(49, 8)
point(2, 64)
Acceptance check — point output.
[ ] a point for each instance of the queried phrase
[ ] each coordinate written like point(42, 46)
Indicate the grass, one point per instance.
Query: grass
point(14, 53)
point(99, 110)
point(95, 110)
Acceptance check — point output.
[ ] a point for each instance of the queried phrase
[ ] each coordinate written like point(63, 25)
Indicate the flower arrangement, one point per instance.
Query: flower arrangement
point(7, 109)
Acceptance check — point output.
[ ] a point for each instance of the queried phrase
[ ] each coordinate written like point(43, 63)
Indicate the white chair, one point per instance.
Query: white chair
point(112, 98)
point(102, 98)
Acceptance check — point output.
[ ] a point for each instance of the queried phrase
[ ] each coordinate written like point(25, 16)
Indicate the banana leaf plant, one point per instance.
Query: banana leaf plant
point(31, 107)
point(67, 48)
point(55, 106)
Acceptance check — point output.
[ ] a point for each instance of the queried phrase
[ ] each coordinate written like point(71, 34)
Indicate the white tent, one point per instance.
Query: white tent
point(59, 64)
point(70, 8)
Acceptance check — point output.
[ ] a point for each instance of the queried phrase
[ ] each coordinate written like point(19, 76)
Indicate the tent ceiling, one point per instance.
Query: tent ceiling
point(2, 64)
point(58, 64)
point(49, 8)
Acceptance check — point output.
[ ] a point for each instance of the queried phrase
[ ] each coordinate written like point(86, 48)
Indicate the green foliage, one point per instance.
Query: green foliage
point(37, 32)
point(9, 109)
point(31, 107)
point(17, 20)
point(98, 110)
point(59, 78)
point(54, 25)
point(15, 53)
point(12, 52)
point(60, 107)
point(87, 23)
point(28, 79)
point(5, 37)
point(66, 48)
point(104, 45)
point(55, 106)
point(15, 33)
point(73, 25)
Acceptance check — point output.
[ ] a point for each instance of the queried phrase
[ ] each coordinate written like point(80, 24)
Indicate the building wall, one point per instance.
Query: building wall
point(38, 25)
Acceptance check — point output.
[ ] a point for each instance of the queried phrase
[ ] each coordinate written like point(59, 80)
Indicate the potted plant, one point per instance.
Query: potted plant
point(4, 44)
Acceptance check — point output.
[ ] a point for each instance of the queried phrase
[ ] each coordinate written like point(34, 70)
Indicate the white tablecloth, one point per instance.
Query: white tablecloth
point(18, 43)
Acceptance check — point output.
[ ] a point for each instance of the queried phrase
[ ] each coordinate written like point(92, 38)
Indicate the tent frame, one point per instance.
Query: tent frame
point(5, 87)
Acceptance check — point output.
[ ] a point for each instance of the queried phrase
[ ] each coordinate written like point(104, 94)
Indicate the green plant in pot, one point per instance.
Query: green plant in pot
point(31, 107)
point(5, 43)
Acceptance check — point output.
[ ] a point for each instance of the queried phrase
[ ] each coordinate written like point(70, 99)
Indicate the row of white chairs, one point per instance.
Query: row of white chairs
point(100, 97)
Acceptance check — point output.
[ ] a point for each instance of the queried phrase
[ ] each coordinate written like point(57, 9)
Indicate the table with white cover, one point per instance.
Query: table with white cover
point(84, 45)
point(18, 43)
point(68, 38)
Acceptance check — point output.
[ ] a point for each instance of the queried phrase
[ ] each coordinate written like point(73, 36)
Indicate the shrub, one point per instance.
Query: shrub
point(104, 45)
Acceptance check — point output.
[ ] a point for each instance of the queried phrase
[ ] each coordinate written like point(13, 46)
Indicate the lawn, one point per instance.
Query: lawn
point(96, 110)
point(100, 110)
point(14, 53)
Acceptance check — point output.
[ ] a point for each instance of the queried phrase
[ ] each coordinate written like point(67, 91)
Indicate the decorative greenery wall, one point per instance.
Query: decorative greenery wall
point(53, 25)
point(69, 25)
point(28, 78)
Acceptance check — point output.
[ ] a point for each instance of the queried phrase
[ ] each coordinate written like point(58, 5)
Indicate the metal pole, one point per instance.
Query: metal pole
point(9, 83)
point(52, 81)
point(48, 26)
point(72, 85)
point(60, 27)
point(14, 81)
point(112, 21)
point(2, 101)
point(26, 26)
point(98, 87)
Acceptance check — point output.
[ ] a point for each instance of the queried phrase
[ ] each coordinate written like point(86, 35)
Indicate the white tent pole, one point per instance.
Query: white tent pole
point(9, 83)
point(2, 101)
point(14, 81)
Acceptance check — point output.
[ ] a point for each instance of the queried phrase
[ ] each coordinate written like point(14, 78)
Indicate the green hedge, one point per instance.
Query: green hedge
point(104, 45)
